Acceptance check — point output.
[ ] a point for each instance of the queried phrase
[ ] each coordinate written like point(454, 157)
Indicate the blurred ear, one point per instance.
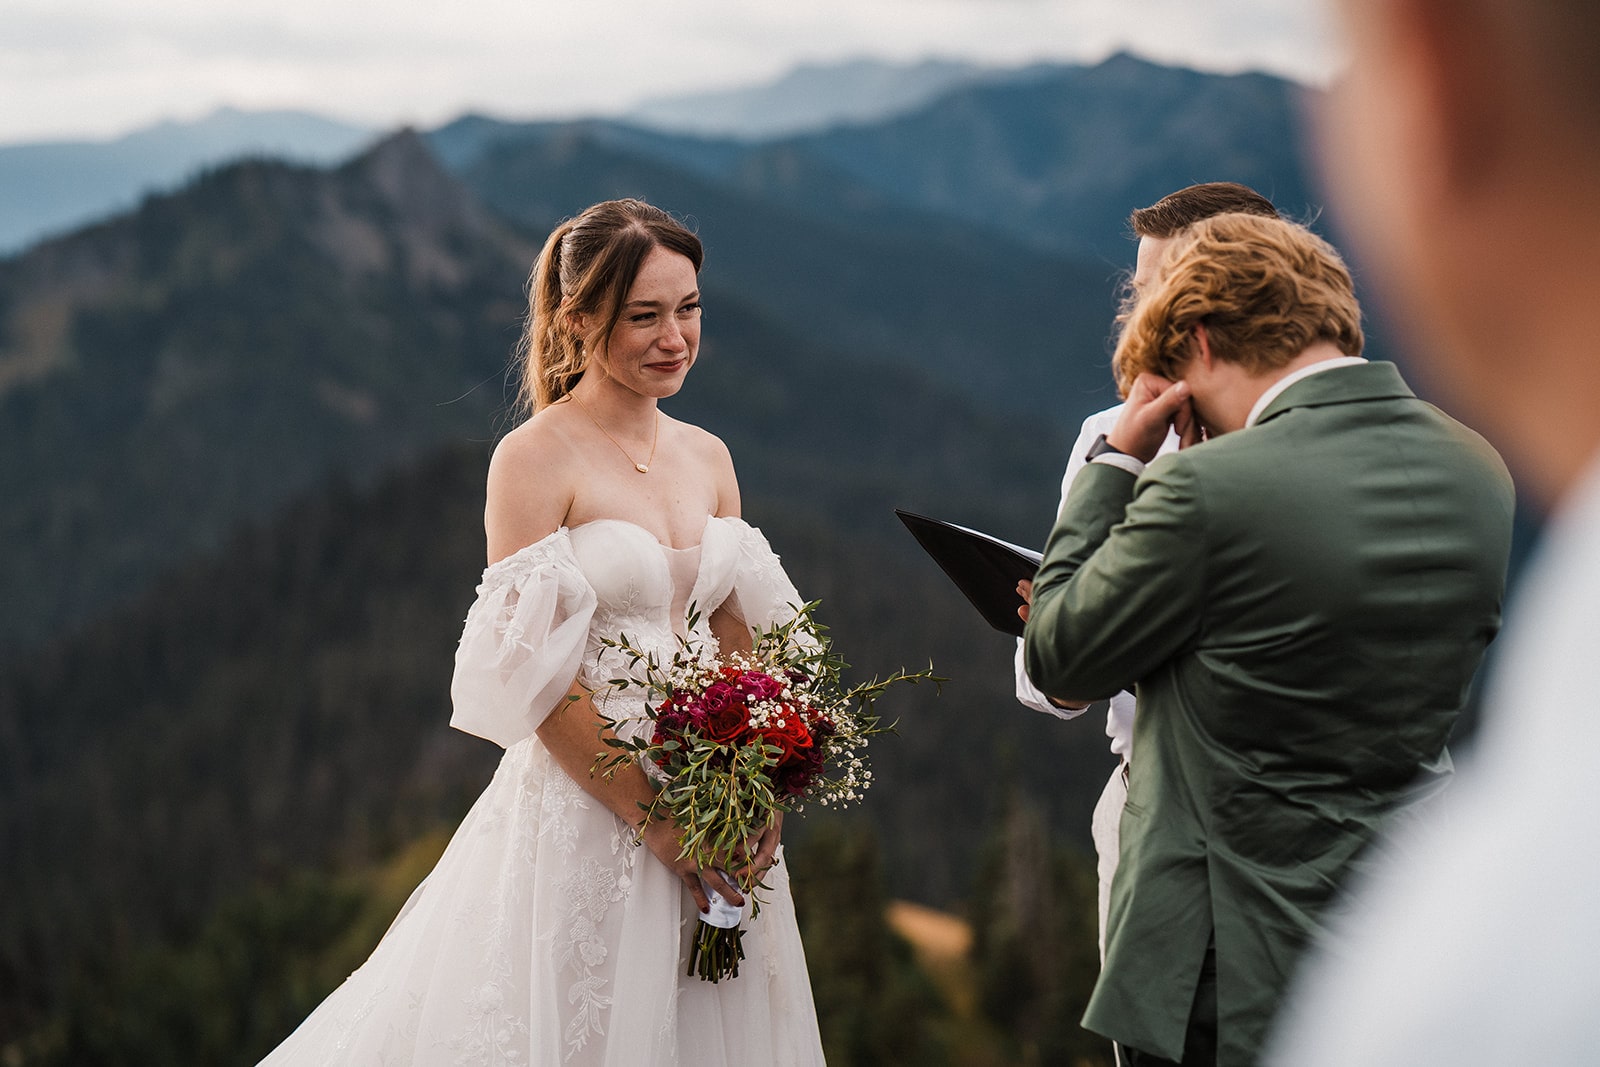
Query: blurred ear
point(1455, 80)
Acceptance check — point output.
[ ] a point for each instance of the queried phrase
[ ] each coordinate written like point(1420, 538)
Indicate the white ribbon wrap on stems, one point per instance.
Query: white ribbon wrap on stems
point(722, 914)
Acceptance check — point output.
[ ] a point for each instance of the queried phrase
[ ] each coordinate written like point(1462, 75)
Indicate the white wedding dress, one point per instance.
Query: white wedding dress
point(544, 935)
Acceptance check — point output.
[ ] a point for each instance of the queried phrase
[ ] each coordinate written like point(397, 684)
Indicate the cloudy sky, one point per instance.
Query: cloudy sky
point(91, 68)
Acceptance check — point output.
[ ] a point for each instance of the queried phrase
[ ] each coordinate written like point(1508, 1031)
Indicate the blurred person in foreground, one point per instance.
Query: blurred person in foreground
point(1302, 600)
point(1155, 227)
point(1465, 141)
point(543, 935)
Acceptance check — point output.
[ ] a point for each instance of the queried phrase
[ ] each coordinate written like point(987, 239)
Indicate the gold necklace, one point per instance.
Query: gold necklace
point(642, 468)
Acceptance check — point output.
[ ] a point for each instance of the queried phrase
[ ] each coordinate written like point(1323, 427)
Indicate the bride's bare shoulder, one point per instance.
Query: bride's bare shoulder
point(532, 481)
point(543, 441)
point(717, 463)
point(704, 444)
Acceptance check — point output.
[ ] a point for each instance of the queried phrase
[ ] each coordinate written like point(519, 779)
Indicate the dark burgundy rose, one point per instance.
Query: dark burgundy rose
point(759, 684)
point(682, 710)
point(718, 695)
point(726, 714)
point(793, 781)
point(672, 716)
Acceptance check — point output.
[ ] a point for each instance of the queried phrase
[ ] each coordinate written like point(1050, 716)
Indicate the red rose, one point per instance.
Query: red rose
point(790, 734)
point(726, 715)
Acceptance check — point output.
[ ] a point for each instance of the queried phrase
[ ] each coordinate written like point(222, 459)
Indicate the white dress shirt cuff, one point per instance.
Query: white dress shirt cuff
point(1030, 696)
point(1126, 462)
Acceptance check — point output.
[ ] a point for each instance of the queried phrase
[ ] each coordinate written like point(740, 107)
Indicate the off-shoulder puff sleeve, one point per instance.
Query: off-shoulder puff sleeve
point(523, 642)
point(762, 593)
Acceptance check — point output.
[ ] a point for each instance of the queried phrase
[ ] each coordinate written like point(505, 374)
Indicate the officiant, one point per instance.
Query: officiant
point(1301, 601)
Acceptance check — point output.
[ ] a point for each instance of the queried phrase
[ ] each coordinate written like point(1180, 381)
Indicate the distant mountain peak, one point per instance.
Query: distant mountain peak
point(407, 172)
point(809, 97)
point(1124, 59)
point(430, 224)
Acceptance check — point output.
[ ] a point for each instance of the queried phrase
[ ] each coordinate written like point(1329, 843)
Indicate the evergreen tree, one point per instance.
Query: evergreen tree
point(874, 1004)
point(1035, 954)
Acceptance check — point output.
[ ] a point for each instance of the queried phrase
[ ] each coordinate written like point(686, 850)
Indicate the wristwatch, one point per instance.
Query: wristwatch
point(1101, 447)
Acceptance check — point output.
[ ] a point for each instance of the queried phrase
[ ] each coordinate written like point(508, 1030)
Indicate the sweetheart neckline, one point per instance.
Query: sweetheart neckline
point(565, 531)
point(650, 534)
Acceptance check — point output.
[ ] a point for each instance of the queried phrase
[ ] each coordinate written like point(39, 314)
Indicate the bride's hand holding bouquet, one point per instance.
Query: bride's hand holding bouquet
point(734, 740)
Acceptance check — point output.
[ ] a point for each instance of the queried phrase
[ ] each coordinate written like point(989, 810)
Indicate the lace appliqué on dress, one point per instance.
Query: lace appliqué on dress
point(495, 1033)
point(589, 891)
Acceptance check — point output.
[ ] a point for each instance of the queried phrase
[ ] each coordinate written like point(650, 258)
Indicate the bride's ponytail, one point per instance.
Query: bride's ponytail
point(550, 353)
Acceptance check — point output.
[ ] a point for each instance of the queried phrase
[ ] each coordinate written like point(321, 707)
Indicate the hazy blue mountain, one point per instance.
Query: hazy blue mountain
point(1058, 159)
point(49, 187)
point(787, 179)
point(1053, 157)
point(811, 97)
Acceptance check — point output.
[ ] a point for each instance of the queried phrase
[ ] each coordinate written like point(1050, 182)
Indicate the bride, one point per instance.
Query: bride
point(546, 935)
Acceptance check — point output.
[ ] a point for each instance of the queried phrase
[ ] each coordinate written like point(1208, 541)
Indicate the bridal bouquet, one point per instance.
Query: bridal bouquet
point(736, 738)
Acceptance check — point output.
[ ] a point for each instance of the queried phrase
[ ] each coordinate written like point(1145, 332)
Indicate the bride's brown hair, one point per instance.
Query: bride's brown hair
point(587, 267)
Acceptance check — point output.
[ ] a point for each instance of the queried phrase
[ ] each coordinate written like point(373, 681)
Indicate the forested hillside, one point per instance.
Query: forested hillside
point(169, 374)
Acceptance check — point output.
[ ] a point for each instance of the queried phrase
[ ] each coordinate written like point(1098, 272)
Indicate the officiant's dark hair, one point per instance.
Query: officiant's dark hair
point(1173, 212)
point(587, 267)
point(1265, 290)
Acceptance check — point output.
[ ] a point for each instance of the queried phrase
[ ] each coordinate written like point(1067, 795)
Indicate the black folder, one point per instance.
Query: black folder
point(986, 569)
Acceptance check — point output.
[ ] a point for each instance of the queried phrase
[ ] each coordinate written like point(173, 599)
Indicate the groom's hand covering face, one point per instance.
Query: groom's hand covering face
point(1155, 405)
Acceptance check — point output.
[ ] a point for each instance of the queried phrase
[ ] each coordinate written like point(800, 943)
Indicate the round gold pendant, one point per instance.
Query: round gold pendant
point(642, 469)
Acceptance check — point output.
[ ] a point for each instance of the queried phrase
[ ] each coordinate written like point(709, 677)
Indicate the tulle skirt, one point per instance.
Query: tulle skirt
point(545, 936)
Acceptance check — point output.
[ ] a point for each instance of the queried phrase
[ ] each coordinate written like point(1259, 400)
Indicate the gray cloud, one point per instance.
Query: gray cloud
point(96, 66)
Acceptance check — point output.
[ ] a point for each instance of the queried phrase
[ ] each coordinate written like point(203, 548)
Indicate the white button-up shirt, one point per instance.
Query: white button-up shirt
point(1119, 720)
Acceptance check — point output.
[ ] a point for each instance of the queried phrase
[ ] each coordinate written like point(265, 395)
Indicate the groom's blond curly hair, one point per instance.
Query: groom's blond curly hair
point(1264, 288)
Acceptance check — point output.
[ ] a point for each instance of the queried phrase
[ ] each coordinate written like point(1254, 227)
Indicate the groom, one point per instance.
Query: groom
point(1155, 226)
point(1301, 601)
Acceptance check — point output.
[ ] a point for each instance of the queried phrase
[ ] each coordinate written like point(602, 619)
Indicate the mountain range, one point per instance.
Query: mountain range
point(1049, 153)
point(246, 425)
point(391, 302)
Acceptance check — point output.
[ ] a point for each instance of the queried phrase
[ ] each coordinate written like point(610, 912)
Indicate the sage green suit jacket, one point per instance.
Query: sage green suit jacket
point(1302, 605)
